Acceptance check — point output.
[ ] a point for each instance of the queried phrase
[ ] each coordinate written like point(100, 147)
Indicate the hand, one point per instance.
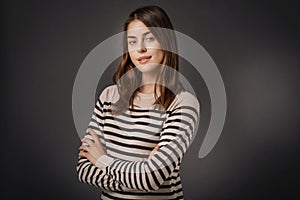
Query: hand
point(94, 150)
point(153, 151)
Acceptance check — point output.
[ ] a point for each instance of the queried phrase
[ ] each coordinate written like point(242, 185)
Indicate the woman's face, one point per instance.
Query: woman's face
point(144, 50)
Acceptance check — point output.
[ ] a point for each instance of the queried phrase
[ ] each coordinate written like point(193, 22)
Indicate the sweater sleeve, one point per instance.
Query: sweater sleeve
point(89, 173)
point(176, 135)
point(148, 175)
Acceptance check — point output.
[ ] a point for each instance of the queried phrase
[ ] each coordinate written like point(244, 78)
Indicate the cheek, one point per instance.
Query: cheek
point(160, 56)
point(132, 56)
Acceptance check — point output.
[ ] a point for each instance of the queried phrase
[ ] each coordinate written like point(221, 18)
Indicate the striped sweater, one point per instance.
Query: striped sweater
point(129, 138)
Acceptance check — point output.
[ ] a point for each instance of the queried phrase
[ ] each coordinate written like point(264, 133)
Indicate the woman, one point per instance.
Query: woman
point(141, 126)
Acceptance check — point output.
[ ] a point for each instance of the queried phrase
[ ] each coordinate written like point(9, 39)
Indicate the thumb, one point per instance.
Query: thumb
point(153, 151)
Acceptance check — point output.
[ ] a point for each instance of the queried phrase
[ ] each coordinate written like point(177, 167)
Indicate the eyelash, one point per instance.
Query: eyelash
point(149, 39)
point(131, 42)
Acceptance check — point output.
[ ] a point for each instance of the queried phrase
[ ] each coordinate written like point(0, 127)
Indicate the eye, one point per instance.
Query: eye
point(131, 43)
point(150, 39)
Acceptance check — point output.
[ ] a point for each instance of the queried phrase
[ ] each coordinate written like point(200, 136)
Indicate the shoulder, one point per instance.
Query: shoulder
point(185, 99)
point(109, 94)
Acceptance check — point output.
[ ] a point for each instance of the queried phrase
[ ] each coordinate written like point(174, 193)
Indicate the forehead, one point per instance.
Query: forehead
point(137, 28)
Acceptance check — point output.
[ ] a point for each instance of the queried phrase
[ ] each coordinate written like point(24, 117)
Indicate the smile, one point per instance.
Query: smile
point(144, 59)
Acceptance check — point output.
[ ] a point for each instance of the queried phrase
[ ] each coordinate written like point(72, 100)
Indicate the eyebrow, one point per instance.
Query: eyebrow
point(143, 34)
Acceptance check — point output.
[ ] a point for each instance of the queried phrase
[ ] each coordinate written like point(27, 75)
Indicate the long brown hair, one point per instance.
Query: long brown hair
point(128, 77)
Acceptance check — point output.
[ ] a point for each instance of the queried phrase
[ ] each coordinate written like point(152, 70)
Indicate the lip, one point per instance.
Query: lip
point(143, 59)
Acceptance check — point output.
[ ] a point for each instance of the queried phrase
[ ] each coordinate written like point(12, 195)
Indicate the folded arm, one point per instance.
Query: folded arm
point(118, 175)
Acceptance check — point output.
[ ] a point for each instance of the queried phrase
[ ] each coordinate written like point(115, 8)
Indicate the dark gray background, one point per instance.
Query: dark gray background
point(255, 45)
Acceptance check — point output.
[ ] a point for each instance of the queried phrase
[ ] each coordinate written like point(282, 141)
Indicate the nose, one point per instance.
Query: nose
point(142, 48)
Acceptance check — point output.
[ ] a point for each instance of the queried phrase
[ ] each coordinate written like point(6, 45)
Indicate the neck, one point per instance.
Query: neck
point(147, 88)
point(148, 83)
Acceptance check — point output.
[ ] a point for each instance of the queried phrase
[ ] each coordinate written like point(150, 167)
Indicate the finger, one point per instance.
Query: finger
point(94, 135)
point(153, 151)
point(88, 156)
point(150, 155)
point(156, 148)
point(98, 144)
point(83, 154)
point(84, 148)
point(88, 141)
point(92, 132)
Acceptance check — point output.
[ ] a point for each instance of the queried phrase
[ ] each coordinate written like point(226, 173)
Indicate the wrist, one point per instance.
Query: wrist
point(103, 161)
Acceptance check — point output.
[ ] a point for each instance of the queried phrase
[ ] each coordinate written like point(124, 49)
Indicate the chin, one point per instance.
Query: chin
point(148, 67)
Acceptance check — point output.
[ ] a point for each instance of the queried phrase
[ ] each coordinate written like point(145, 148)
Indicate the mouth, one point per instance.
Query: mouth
point(143, 59)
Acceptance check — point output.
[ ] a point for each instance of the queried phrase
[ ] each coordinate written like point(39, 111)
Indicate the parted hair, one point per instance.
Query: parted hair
point(128, 78)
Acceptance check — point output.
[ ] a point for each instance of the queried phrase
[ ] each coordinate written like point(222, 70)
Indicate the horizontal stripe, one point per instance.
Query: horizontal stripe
point(125, 153)
point(129, 130)
point(131, 136)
